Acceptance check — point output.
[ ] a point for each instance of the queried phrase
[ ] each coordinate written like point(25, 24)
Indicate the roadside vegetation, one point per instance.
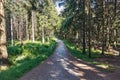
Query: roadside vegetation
point(94, 60)
point(24, 57)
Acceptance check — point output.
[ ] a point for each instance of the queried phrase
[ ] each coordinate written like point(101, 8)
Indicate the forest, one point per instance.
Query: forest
point(29, 30)
point(99, 21)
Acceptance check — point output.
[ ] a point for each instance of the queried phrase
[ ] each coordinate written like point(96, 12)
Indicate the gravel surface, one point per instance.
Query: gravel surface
point(62, 66)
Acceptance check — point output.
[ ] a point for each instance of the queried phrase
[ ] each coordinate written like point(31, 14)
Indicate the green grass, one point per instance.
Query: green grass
point(77, 52)
point(26, 57)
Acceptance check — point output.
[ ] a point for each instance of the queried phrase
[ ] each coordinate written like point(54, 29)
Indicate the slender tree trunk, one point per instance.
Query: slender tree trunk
point(3, 50)
point(17, 29)
point(43, 35)
point(11, 30)
point(84, 30)
point(115, 7)
point(27, 28)
point(89, 31)
point(33, 27)
point(20, 30)
point(103, 29)
point(116, 37)
point(104, 32)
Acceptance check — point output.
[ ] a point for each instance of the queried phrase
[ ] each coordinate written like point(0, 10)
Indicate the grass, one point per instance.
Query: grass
point(26, 57)
point(77, 52)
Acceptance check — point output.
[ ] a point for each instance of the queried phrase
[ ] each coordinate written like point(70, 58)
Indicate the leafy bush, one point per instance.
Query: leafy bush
point(14, 50)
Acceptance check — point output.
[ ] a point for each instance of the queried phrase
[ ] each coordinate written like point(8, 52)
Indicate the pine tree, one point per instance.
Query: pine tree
point(3, 50)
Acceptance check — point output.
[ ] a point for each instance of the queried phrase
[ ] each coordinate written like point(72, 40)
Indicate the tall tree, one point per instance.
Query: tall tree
point(84, 28)
point(3, 50)
point(89, 28)
point(104, 33)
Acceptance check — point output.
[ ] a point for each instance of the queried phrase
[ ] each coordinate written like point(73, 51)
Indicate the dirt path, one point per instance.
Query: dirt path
point(62, 66)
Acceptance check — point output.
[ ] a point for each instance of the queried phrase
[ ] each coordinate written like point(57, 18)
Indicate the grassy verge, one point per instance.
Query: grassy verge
point(77, 52)
point(25, 57)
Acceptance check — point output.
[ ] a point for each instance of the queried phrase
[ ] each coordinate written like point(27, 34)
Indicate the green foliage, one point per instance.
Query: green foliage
point(48, 19)
point(30, 55)
point(14, 50)
point(66, 24)
point(77, 52)
point(91, 23)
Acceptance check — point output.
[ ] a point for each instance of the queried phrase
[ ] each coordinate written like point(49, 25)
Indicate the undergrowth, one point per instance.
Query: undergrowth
point(25, 57)
point(77, 52)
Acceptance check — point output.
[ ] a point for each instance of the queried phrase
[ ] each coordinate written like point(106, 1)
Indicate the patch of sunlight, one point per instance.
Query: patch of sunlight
point(102, 75)
point(72, 71)
point(3, 67)
point(28, 41)
point(46, 43)
point(80, 65)
point(83, 66)
point(83, 79)
point(44, 56)
point(54, 38)
point(54, 73)
point(72, 47)
point(21, 57)
point(103, 66)
point(96, 50)
point(51, 63)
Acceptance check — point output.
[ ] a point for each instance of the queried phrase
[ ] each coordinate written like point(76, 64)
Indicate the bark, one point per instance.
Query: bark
point(105, 25)
point(43, 35)
point(115, 7)
point(27, 28)
point(21, 31)
point(3, 50)
point(33, 27)
point(17, 29)
point(103, 30)
point(89, 31)
point(84, 30)
point(11, 30)
point(116, 36)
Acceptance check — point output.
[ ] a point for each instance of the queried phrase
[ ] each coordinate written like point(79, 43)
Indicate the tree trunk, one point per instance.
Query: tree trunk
point(27, 28)
point(43, 35)
point(84, 30)
point(115, 7)
point(103, 28)
point(21, 30)
point(33, 27)
point(11, 29)
point(3, 49)
point(89, 31)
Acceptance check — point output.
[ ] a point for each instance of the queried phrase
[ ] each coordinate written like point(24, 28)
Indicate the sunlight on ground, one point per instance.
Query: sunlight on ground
point(65, 63)
point(21, 57)
point(54, 73)
point(3, 67)
point(103, 66)
point(96, 50)
point(87, 67)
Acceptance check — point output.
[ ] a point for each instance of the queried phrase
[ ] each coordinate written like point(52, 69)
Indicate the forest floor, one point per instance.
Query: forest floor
point(63, 66)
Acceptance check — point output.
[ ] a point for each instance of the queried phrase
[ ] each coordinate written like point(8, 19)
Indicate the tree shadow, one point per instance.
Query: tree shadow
point(81, 69)
point(63, 66)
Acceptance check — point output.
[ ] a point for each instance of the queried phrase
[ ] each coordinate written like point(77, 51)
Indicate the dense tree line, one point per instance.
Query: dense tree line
point(26, 20)
point(29, 18)
point(87, 23)
point(92, 24)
